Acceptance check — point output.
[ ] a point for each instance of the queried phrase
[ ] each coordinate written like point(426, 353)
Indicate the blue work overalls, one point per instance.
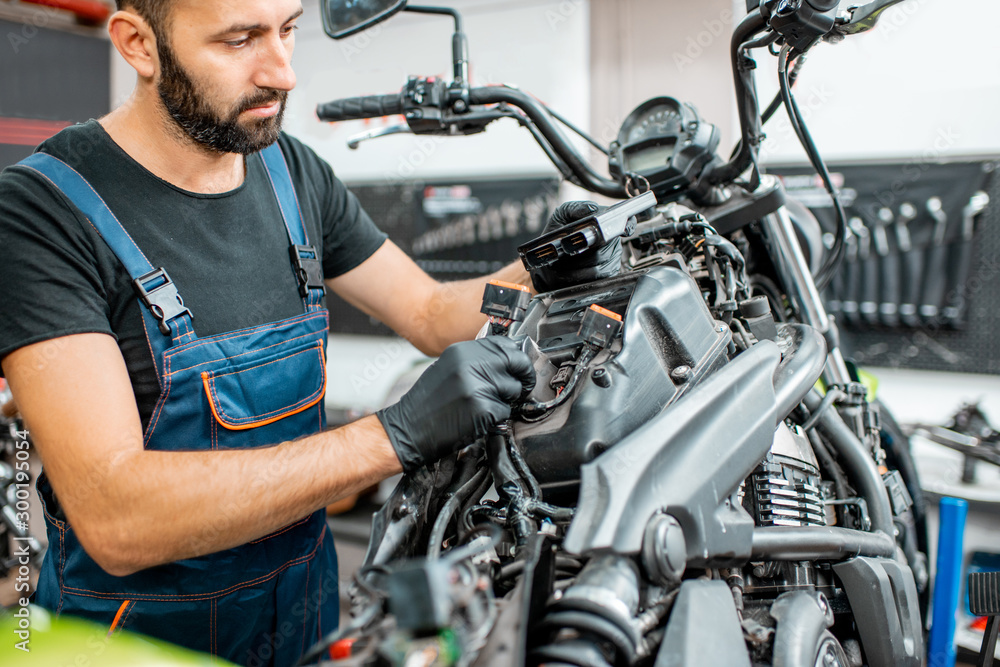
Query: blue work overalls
point(262, 603)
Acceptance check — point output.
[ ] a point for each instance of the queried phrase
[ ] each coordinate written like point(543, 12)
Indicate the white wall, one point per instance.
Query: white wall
point(649, 48)
point(925, 83)
point(540, 46)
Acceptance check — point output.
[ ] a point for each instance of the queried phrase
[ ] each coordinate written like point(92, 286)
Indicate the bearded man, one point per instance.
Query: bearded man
point(163, 330)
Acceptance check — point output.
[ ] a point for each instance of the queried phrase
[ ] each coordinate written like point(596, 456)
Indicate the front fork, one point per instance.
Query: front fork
point(794, 273)
point(797, 280)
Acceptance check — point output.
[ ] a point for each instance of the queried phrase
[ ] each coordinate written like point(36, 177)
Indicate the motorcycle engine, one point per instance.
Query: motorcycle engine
point(669, 342)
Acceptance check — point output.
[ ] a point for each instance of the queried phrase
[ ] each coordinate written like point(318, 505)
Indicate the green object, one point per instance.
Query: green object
point(858, 375)
point(73, 642)
point(870, 382)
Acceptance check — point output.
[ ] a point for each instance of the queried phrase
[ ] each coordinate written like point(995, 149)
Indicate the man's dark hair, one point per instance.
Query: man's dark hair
point(154, 12)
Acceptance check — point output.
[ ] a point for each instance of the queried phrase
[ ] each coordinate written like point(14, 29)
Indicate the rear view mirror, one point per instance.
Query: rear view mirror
point(343, 18)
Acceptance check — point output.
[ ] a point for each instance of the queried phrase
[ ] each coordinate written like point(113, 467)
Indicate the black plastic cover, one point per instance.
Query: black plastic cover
point(665, 325)
point(687, 461)
point(506, 301)
point(883, 597)
point(704, 629)
point(984, 593)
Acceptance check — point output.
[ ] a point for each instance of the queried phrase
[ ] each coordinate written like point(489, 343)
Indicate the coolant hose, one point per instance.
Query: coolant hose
point(858, 463)
point(802, 618)
point(797, 543)
point(801, 365)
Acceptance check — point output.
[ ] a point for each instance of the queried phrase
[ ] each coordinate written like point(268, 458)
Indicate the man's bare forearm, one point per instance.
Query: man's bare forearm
point(454, 309)
point(160, 506)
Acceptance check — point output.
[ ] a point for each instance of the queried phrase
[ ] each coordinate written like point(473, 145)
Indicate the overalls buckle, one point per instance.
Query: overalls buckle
point(308, 268)
point(162, 300)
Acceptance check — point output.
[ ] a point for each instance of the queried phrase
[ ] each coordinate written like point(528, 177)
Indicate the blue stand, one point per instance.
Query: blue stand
point(947, 582)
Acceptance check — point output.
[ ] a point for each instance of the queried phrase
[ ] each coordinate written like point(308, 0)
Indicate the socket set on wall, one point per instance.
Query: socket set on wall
point(920, 284)
point(889, 280)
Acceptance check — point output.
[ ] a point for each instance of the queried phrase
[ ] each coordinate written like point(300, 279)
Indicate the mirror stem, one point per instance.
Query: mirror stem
point(459, 43)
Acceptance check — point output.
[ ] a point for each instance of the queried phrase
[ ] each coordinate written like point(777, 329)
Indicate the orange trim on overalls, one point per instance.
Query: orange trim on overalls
point(206, 377)
point(118, 617)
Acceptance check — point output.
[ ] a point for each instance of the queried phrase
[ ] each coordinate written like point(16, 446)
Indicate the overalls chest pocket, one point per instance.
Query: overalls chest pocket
point(260, 392)
point(255, 388)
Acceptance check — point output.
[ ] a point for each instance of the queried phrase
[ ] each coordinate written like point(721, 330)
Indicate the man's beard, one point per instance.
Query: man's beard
point(191, 111)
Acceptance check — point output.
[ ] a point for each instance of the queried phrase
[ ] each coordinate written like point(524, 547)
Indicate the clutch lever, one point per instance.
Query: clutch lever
point(446, 124)
point(356, 140)
point(863, 17)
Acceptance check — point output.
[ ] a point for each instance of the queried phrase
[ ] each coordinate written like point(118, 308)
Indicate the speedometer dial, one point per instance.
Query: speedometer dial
point(658, 121)
point(664, 143)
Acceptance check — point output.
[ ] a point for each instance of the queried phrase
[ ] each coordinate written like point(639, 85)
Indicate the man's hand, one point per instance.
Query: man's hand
point(458, 399)
point(589, 265)
point(133, 508)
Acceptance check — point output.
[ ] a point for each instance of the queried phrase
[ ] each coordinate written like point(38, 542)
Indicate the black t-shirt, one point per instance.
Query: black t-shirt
point(227, 253)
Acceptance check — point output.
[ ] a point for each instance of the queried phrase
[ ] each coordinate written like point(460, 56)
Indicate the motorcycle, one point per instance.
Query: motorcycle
point(677, 489)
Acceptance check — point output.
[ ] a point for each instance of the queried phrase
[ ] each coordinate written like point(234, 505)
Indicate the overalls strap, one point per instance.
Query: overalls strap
point(306, 262)
point(235, 390)
point(164, 308)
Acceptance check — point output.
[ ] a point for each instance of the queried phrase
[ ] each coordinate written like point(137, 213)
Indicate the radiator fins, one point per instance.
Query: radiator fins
point(785, 492)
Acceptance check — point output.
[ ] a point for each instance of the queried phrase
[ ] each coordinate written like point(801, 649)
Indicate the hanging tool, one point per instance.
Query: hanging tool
point(911, 261)
point(960, 261)
point(935, 275)
point(851, 279)
point(867, 294)
point(888, 261)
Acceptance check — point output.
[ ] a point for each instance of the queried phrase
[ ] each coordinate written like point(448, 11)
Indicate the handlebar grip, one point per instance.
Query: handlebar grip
point(353, 108)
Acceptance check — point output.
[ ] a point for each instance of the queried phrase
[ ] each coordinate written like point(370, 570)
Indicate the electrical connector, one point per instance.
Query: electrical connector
point(504, 303)
point(599, 326)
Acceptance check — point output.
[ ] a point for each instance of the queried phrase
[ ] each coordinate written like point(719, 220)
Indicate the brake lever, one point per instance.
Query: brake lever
point(356, 140)
point(863, 17)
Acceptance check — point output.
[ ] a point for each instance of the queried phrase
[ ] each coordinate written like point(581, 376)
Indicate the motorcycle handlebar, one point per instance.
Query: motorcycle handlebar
point(373, 106)
point(543, 120)
point(354, 108)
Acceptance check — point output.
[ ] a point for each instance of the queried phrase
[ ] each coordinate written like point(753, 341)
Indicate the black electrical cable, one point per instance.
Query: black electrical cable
point(832, 396)
point(589, 139)
point(522, 466)
point(534, 408)
point(832, 264)
point(449, 509)
point(319, 648)
point(772, 108)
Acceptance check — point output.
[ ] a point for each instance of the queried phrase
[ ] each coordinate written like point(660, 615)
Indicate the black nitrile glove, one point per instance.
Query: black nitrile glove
point(457, 399)
point(601, 262)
